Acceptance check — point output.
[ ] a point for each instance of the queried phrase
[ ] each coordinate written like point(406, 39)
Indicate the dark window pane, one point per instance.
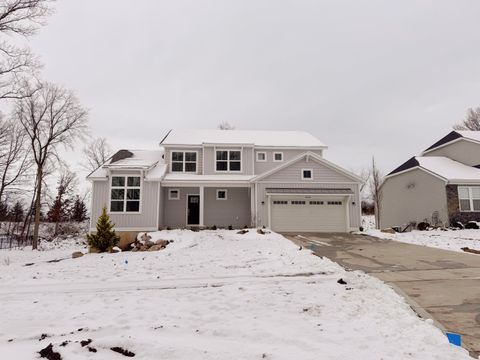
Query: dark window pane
point(234, 165)
point(133, 194)
point(190, 156)
point(133, 206)
point(222, 194)
point(234, 155)
point(177, 156)
point(465, 205)
point(133, 181)
point(278, 157)
point(190, 167)
point(222, 155)
point(173, 194)
point(307, 174)
point(116, 206)
point(221, 166)
point(118, 181)
point(118, 194)
point(177, 167)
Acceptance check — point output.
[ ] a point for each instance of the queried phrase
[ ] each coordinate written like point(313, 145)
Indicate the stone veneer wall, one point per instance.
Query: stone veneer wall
point(453, 207)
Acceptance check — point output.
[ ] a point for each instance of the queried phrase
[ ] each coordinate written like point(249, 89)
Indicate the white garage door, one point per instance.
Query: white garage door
point(300, 214)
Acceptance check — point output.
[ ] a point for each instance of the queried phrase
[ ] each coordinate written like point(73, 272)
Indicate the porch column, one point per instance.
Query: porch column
point(201, 203)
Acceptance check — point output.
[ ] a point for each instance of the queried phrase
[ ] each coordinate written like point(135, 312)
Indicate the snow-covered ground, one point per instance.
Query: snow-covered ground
point(208, 295)
point(453, 240)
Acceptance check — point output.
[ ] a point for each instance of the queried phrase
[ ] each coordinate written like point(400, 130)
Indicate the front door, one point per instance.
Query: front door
point(193, 210)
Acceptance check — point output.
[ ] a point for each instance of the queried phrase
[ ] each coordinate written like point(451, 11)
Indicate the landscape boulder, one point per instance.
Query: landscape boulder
point(77, 254)
point(472, 225)
point(388, 231)
point(423, 226)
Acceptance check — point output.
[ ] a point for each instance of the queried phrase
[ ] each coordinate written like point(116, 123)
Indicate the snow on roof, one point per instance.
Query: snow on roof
point(472, 135)
point(141, 159)
point(449, 169)
point(252, 137)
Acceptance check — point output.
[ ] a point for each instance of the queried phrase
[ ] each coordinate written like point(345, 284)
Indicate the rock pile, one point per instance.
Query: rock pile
point(147, 244)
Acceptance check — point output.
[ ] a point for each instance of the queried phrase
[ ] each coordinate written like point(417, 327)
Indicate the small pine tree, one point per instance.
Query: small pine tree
point(17, 213)
point(105, 238)
point(79, 210)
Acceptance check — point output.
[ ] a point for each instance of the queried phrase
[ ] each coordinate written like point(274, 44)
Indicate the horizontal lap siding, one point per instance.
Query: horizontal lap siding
point(234, 211)
point(264, 166)
point(147, 219)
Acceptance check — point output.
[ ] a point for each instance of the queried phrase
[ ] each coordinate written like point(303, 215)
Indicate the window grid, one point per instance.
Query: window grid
point(184, 161)
point(228, 161)
point(261, 156)
point(315, 202)
point(335, 203)
point(298, 202)
point(280, 202)
point(222, 194)
point(469, 198)
point(125, 192)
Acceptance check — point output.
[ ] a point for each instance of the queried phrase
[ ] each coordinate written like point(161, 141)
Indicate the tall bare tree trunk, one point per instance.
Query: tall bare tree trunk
point(38, 204)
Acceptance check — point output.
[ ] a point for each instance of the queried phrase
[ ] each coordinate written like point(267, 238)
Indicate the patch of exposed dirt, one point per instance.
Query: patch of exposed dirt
point(122, 351)
point(49, 354)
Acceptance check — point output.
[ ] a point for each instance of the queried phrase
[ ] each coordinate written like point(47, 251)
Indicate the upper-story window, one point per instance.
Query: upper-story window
point(184, 161)
point(125, 194)
point(228, 160)
point(307, 174)
point(278, 156)
point(469, 198)
point(261, 156)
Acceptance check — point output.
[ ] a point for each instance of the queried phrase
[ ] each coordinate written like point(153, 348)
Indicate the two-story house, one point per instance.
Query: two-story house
point(441, 186)
point(202, 178)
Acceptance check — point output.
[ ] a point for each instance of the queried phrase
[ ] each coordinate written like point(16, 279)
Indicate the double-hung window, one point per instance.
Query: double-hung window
point(125, 194)
point(184, 161)
point(469, 198)
point(228, 160)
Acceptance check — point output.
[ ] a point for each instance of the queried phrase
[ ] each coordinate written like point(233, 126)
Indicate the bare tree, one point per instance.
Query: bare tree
point(471, 120)
point(19, 17)
point(14, 157)
point(376, 191)
point(224, 125)
point(51, 117)
point(96, 154)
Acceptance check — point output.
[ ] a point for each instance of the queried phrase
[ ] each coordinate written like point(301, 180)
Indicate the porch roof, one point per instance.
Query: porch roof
point(312, 191)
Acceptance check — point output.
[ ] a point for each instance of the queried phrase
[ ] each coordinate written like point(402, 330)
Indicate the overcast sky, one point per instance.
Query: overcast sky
point(383, 78)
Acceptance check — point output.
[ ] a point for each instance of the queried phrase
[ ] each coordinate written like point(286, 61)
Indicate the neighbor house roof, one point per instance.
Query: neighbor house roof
point(150, 161)
point(446, 168)
point(454, 136)
point(242, 137)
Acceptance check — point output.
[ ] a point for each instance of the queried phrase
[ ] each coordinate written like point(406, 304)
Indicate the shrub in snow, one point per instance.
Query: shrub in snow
point(423, 226)
point(472, 225)
point(457, 225)
point(105, 238)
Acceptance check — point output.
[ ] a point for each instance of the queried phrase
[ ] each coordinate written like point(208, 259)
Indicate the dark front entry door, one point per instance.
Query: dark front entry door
point(193, 215)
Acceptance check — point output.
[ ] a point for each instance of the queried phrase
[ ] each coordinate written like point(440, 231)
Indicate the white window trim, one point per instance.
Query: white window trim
point(184, 161)
point(126, 176)
point(470, 198)
point(275, 153)
point(226, 194)
point(311, 172)
point(261, 152)
point(170, 197)
point(228, 161)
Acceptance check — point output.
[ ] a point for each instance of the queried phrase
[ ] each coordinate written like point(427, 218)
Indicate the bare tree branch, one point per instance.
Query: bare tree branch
point(471, 120)
point(96, 154)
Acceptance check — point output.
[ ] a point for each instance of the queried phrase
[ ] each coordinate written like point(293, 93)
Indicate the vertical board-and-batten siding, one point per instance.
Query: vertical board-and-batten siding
point(323, 177)
point(175, 211)
point(146, 220)
point(235, 211)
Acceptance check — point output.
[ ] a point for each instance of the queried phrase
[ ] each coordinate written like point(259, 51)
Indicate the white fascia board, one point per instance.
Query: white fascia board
point(415, 168)
point(450, 143)
point(315, 157)
point(464, 182)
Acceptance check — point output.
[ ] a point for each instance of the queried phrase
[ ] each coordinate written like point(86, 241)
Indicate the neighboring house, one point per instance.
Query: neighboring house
point(201, 178)
point(441, 186)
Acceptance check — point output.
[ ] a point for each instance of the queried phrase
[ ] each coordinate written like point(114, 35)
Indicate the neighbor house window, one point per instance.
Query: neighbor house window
point(261, 156)
point(173, 194)
point(125, 194)
point(228, 160)
point(184, 161)
point(307, 174)
point(469, 198)
point(277, 156)
point(221, 194)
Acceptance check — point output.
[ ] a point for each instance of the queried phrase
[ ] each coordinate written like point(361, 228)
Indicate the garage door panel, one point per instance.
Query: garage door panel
point(297, 214)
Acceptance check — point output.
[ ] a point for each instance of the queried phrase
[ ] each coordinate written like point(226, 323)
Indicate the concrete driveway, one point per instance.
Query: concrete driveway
point(445, 284)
